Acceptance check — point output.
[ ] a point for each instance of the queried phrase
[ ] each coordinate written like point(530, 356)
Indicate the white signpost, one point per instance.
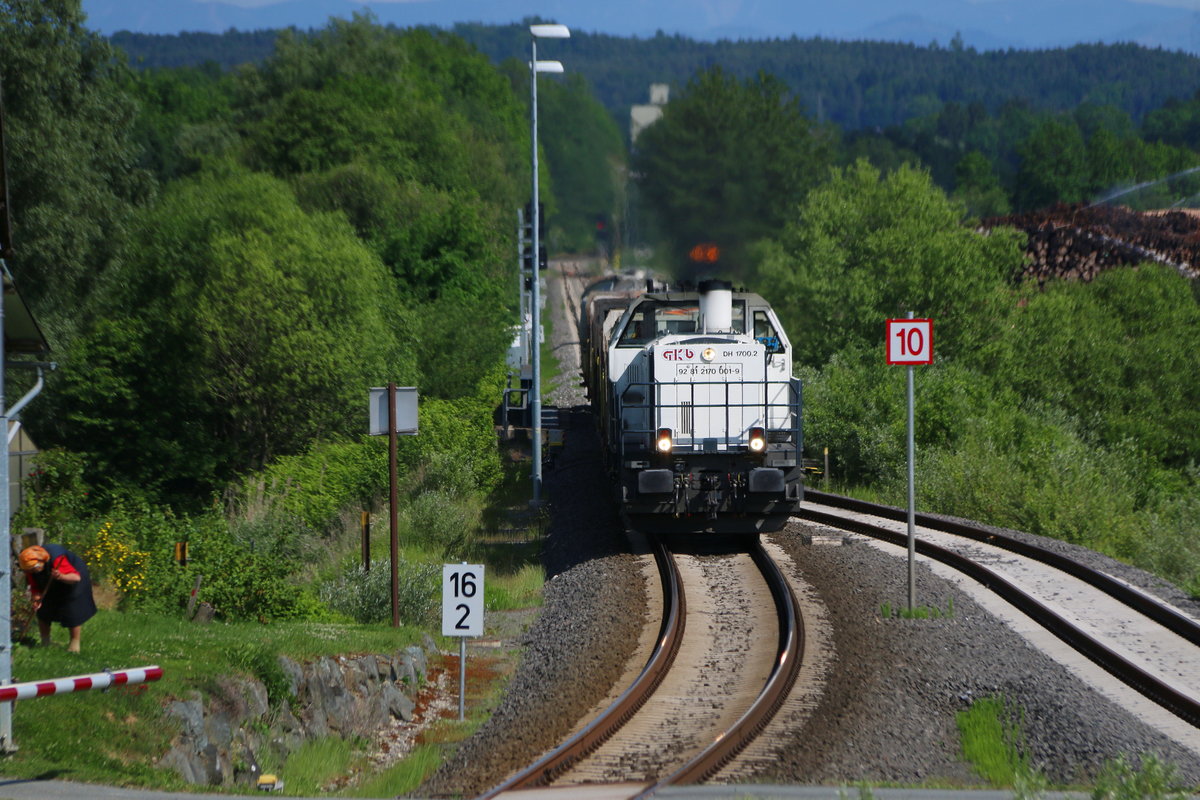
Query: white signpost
point(908, 342)
point(462, 614)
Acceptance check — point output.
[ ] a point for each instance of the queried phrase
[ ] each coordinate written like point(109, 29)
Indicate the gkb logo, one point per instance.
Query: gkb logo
point(679, 354)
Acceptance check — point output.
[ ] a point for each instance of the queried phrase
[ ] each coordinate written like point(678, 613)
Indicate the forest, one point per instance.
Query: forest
point(856, 85)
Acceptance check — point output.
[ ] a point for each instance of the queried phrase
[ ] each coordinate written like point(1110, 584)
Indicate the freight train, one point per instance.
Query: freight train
point(696, 404)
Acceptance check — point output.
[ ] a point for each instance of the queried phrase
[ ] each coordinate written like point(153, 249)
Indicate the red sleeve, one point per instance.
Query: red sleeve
point(63, 566)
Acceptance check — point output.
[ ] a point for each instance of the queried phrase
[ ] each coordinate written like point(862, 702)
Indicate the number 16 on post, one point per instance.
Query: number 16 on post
point(462, 614)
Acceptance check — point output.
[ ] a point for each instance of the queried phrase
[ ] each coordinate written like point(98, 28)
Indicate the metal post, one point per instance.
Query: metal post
point(535, 343)
point(6, 734)
point(394, 503)
point(912, 515)
point(524, 299)
point(462, 678)
point(366, 540)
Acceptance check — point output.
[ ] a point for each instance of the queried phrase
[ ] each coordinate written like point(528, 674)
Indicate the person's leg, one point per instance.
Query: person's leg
point(73, 646)
point(44, 629)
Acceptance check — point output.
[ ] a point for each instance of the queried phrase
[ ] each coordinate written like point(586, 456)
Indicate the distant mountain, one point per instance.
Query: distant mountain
point(982, 24)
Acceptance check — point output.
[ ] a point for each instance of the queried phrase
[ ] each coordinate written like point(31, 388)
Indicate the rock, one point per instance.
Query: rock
point(348, 696)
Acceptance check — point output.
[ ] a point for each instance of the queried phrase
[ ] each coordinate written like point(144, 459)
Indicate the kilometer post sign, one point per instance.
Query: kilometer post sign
point(909, 342)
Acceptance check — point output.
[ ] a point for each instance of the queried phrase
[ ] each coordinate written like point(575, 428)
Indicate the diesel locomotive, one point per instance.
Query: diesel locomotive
point(697, 407)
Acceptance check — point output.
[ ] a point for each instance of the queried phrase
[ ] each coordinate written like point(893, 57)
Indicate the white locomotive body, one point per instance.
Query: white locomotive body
point(699, 412)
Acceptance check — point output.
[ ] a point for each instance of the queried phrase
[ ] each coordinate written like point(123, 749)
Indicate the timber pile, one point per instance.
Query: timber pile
point(1077, 242)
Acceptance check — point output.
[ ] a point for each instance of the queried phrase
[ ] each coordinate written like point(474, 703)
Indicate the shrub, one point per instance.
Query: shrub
point(1154, 780)
point(113, 559)
point(441, 520)
point(1028, 471)
point(366, 595)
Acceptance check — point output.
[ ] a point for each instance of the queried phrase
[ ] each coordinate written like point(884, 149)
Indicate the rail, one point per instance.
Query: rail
point(783, 677)
point(1139, 601)
point(604, 726)
point(1178, 703)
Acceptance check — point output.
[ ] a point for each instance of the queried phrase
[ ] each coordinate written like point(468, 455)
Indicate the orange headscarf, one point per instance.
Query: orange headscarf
point(32, 556)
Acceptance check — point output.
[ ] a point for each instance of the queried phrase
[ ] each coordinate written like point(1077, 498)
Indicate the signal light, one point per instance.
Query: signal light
point(706, 253)
point(758, 440)
point(664, 443)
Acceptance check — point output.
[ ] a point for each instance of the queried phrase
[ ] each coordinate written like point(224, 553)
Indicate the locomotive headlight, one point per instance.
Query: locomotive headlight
point(758, 440)
point(708, 355)
point(664, 443)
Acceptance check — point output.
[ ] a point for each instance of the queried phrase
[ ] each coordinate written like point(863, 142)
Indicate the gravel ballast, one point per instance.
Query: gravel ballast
point(890, 704)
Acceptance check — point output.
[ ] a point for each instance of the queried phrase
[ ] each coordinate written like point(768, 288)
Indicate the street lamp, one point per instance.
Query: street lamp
point(535, 394)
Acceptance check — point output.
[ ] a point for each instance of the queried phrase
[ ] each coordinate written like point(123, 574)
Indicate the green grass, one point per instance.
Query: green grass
point(315, 765)
point(993, 742)
point(115, 737)
point(888, 611)
point(401, 778)
point(520, 589)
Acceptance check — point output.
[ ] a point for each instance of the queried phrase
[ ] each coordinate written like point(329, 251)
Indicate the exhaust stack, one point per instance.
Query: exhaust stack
point(716, 306)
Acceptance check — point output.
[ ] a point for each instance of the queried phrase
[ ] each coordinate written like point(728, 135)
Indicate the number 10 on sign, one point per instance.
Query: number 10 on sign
point(910, 341)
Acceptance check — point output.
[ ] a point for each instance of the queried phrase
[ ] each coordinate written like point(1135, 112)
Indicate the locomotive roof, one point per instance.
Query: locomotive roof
point(682, 297)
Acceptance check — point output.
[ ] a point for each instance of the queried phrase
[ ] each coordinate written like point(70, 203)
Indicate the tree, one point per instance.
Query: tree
point(977, 186)
point(728, 161)
point(585, 154)
point(1120, 354)
point(237, 328)
point(1053, 167)
point(73, 179)
point(865, 247)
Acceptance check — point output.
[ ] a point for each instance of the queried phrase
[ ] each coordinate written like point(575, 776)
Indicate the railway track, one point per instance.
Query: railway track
point(726, 656)
point(1137, 638)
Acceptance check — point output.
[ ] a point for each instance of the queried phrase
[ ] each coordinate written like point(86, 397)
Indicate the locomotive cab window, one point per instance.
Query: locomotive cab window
point(652, 320)
point(764, 332)
point(639, 330)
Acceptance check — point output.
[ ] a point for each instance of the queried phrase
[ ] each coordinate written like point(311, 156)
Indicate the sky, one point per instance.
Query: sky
point(983, 24)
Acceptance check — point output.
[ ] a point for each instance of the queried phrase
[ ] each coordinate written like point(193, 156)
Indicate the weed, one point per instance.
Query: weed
point(993, 741)
point(887, 611)
point(401, 778)
point(865, 792)
point(366, 595)
point(1154, 780)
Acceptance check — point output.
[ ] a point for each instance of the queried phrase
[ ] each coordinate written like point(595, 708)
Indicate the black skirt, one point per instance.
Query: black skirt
point(70, 604)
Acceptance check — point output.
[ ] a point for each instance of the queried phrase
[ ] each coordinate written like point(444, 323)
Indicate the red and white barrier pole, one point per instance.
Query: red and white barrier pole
point(79, 683)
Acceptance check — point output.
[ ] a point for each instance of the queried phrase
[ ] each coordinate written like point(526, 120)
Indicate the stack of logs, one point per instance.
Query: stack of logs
point(1077, 242)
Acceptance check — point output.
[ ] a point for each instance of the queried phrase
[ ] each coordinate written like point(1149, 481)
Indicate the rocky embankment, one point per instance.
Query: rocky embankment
point(226, 733)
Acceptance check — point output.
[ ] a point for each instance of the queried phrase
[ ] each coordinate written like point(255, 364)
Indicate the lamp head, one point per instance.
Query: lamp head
point(550, 31)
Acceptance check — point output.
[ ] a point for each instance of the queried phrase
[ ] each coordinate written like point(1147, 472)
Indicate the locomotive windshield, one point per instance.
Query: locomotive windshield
point(652, 320)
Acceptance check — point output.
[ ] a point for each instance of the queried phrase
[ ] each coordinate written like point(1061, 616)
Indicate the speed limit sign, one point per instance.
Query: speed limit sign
point(462, 600)
point(910, 341)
